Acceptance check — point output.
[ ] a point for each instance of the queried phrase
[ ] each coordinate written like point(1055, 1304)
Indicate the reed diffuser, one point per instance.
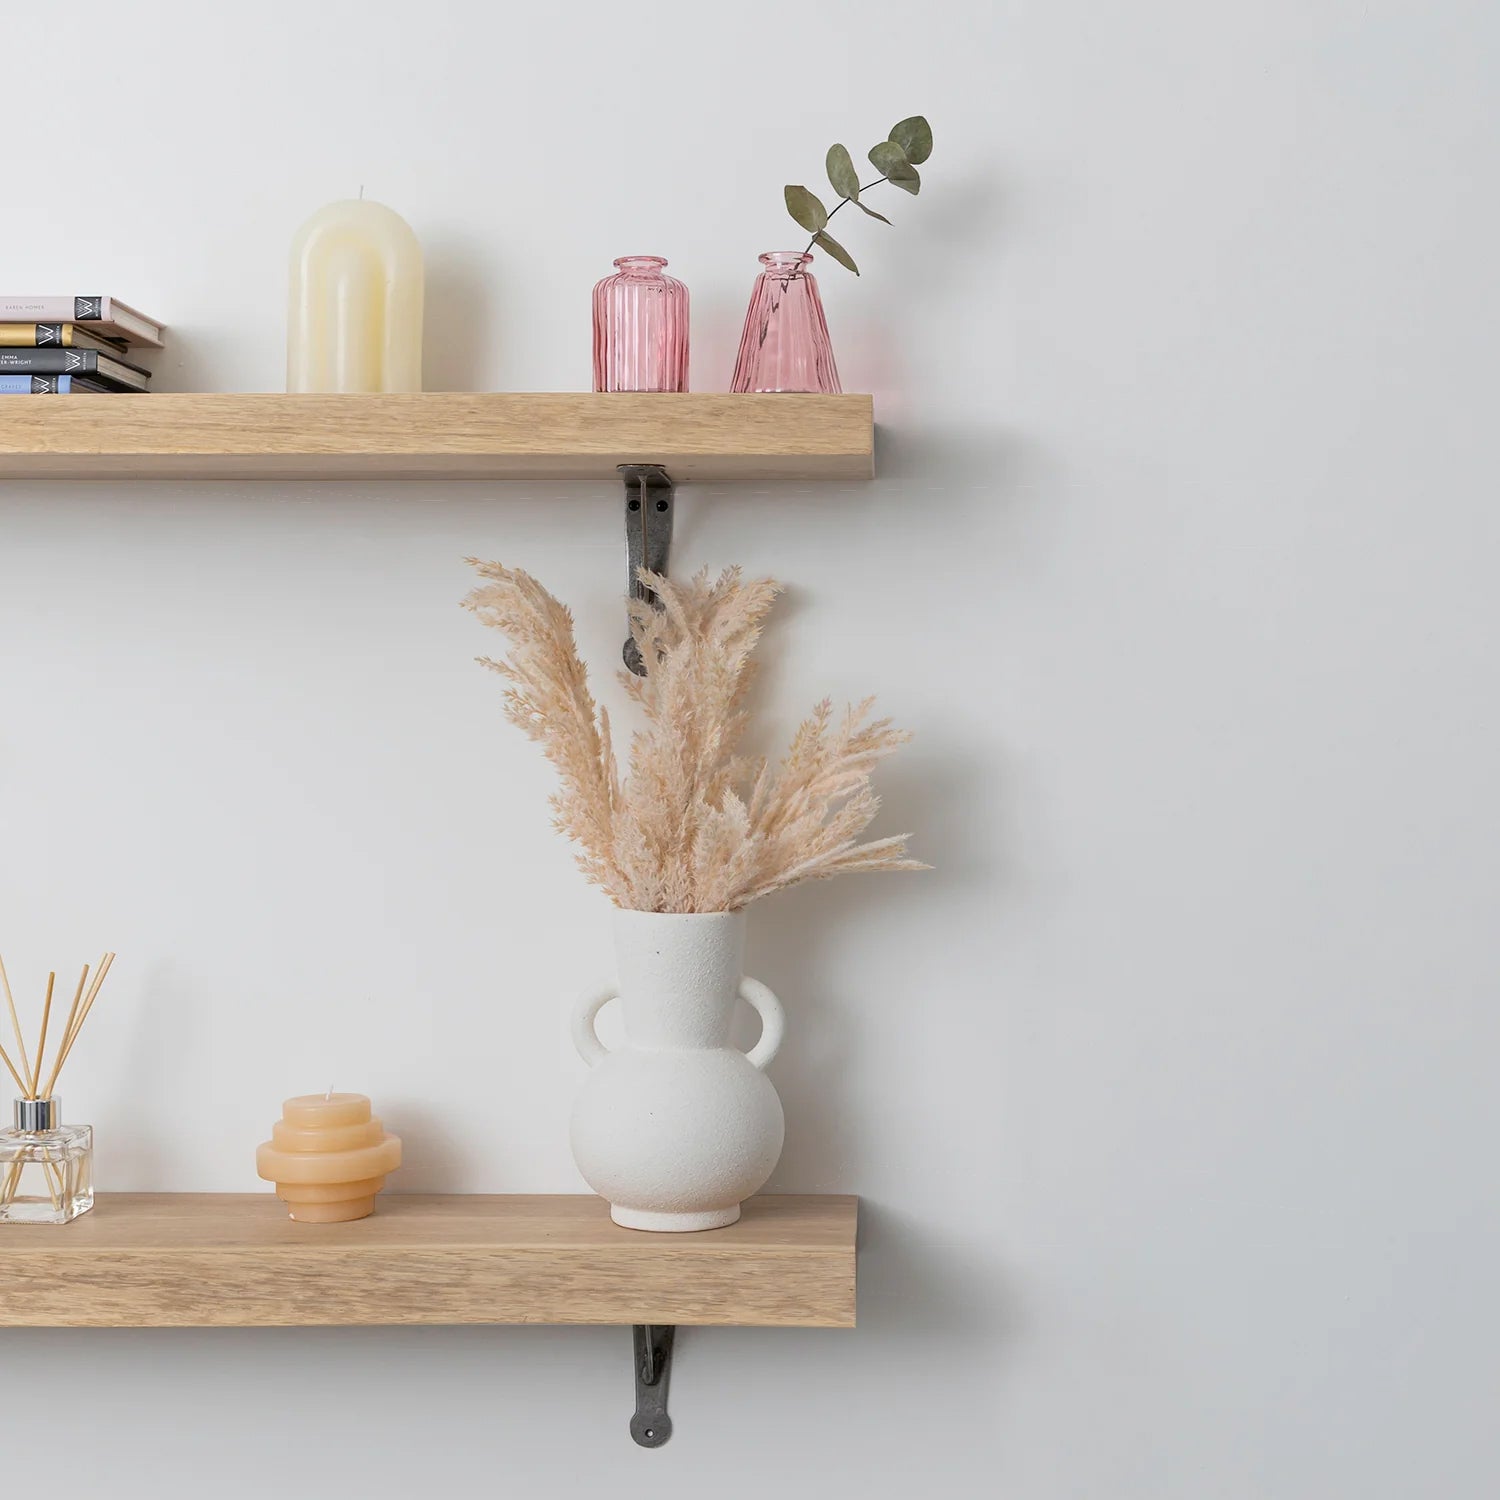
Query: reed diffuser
point(46, 1167)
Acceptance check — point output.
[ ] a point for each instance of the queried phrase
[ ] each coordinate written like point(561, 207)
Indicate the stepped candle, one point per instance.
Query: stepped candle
point(354, 316)
point(328, 1157)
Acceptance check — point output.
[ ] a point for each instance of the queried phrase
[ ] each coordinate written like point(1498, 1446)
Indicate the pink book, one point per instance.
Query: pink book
point(103, 314)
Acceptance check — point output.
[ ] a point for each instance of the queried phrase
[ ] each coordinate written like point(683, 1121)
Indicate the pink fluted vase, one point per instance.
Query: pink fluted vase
point(640, 328)
point(785, 344)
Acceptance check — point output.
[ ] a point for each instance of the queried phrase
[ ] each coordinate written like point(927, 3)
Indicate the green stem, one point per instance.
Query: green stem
point(864, 188)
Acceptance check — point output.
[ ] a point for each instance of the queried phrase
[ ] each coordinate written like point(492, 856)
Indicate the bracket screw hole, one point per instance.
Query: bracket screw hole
point(661, 505)
point(635, 505)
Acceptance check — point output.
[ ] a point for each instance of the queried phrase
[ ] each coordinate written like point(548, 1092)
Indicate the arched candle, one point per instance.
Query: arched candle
point(354, 317)
point(328, 1157)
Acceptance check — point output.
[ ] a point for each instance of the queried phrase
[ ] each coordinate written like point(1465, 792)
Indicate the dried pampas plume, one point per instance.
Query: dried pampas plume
point(695, 828)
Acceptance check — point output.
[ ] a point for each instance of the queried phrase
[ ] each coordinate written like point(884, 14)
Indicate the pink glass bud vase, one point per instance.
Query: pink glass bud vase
point(785, 345)
point(640, 328)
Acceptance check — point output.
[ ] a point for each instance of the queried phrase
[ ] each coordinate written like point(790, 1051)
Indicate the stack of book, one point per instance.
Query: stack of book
point(68, 346)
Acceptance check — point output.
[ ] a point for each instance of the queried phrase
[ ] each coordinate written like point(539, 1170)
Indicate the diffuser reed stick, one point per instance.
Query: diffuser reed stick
point(15, 1025)
point(74, 1026)
point(20, 1082)
point(41, 1046)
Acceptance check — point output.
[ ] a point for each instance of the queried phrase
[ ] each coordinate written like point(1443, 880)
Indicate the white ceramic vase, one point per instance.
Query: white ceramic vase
point(677, 1126)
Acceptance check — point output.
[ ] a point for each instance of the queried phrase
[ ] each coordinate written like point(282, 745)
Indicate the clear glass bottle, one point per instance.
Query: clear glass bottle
point(785, 346)
point(640, 328)
point(46, 1167)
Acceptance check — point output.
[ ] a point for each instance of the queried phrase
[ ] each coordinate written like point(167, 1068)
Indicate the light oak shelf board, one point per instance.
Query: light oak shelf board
point(436, 435)
point(209, 1260)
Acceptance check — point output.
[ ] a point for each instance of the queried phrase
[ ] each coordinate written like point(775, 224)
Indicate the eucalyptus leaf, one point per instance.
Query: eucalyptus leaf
point(831, 246)
point(841, 173)
point(806, 208)
point(908, 179)
point(886, 156)
point(914, 137)
point(871, 212)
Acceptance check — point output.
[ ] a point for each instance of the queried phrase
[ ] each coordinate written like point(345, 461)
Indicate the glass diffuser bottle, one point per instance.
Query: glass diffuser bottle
point(785, 345)
point(46, 1167)
point(640, 328)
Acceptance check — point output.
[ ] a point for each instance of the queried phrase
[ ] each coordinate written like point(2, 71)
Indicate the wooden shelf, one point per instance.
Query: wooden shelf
point(173, 1260)
point(436, 436)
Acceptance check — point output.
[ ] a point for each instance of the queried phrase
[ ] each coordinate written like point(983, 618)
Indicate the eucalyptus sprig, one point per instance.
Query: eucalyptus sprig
point(896, 159)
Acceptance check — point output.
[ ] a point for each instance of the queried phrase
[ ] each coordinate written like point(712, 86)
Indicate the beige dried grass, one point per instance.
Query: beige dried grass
point(696, 827)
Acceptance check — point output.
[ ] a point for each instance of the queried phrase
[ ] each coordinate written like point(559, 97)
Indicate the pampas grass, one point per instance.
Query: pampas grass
point(696, 827)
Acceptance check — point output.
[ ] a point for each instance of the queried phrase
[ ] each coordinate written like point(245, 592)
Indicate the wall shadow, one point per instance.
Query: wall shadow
point(458, 317)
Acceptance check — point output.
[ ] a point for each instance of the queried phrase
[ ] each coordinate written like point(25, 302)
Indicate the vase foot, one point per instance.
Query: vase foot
point(673, 1223)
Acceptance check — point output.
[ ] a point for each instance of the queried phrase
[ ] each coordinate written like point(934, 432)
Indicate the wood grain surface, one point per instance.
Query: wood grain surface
point(458, 435)
point(164, 1260)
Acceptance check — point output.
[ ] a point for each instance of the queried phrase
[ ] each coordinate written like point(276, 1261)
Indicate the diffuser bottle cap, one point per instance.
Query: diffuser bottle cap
point(33, 1115)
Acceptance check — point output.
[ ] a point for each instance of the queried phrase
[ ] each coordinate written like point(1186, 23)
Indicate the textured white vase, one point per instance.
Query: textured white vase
point(677, 1126)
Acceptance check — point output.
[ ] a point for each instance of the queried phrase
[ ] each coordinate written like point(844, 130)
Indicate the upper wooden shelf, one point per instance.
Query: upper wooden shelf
point(456, 435)
point(164, 1260)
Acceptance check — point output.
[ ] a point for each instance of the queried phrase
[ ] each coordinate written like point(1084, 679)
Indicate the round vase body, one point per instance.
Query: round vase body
point(677, 1126)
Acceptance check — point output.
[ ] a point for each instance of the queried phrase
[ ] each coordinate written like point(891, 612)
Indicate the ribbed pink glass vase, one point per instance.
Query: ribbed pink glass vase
point(785, 344)
point(640, 328)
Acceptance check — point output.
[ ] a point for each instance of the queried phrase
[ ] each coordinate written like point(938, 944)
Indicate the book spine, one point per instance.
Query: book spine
point(58, 336)
point(53, 309)
point(39, 335)
point(49, 361)
point(36, 385)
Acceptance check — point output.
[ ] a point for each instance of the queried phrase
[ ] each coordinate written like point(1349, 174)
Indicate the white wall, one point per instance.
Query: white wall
point(1170, 1093)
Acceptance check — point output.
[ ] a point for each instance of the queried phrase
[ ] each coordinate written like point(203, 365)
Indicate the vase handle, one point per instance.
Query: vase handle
point(772, 1020)
point(585, 1038)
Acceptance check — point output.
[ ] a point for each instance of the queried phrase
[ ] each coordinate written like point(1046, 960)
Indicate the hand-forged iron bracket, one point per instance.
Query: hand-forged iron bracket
point(649, 498)
point(651, 1426)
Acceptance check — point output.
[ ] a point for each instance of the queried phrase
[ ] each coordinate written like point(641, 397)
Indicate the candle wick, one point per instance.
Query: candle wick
point(328, 1097)
point(361, 190)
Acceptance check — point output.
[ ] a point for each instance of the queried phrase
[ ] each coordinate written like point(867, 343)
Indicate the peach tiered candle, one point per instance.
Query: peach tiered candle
point(328, 1156)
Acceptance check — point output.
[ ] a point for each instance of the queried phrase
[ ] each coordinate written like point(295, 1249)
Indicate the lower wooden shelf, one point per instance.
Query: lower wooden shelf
point(209, 1260)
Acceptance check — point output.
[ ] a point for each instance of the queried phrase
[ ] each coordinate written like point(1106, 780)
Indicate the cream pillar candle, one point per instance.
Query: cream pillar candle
point(354, 318)
point(328, 1157)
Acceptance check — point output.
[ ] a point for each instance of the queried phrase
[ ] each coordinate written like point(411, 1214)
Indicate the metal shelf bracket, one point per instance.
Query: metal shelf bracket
point(651, 1426)
point(649, 503)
